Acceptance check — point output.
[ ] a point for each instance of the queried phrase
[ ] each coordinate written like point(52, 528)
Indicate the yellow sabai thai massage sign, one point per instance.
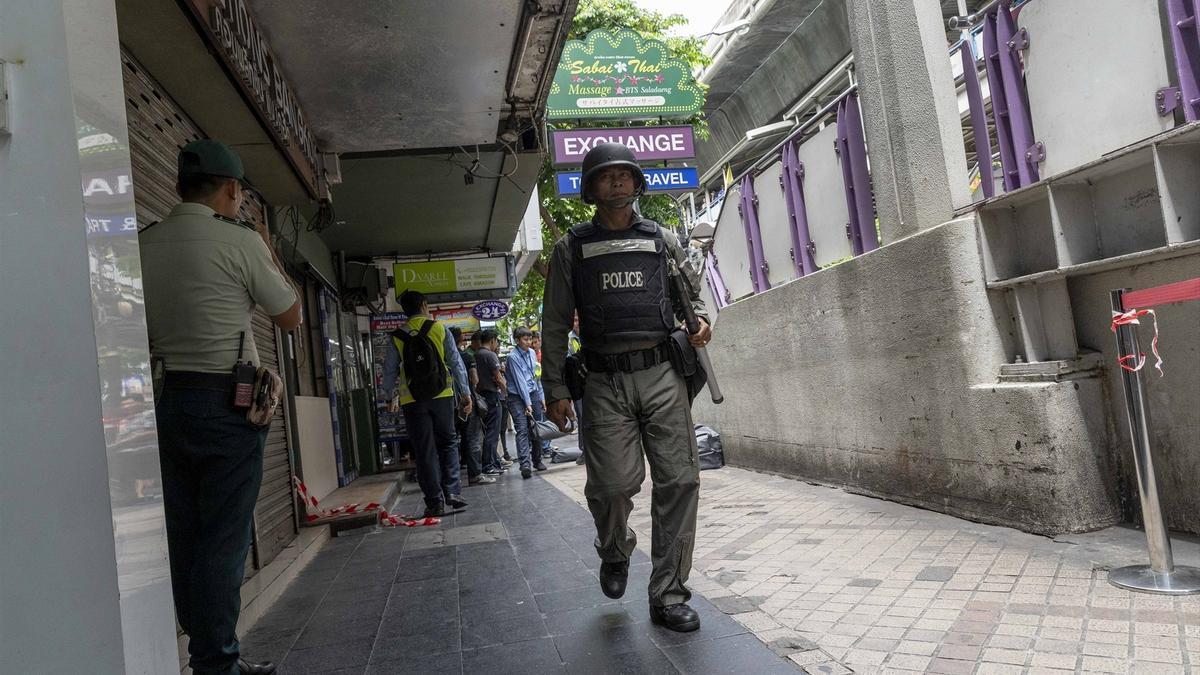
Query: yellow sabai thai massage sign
point(621, 75)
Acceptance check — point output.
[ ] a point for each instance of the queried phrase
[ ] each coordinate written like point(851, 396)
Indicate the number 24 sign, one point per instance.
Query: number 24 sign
point(490, 310)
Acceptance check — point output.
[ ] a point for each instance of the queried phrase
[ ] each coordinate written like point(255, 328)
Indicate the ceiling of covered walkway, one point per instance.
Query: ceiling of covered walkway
point(431, 107)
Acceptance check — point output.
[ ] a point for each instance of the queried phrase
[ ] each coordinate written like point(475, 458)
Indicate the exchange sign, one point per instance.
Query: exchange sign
point(657, 180)
point(490, 310)
point(649, 144)
point(621, 75)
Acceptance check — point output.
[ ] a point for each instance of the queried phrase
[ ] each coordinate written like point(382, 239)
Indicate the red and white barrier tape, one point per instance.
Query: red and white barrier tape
point(1131, 318)
point(313, 510)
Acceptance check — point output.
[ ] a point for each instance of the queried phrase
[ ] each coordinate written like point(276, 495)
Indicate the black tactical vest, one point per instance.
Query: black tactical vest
point(621, 285)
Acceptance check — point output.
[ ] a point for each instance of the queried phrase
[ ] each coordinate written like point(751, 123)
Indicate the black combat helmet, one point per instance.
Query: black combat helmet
point(604, 155)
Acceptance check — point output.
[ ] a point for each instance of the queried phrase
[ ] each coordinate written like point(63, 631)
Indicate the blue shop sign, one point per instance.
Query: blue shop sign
point(674, 179)
point(490, 310)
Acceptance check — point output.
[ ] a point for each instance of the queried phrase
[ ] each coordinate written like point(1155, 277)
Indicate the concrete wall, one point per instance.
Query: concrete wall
point(311, 248)
point(1174, 398)
point(910, 114)
point(880, 374)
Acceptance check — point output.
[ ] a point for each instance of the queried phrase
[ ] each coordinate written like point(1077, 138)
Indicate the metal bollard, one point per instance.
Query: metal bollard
point(1161, 575)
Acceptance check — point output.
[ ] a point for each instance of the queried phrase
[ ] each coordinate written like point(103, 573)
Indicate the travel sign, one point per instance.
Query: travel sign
point(621, 75)
point(649, 144)
point(657, 180)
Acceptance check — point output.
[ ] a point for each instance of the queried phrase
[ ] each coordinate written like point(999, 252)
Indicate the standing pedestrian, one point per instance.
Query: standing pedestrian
point(524, 391)
point(470, 439)
point(505, 418)
point(614, 270)
point(491, 383)
point(203, 272)
point(423, 375)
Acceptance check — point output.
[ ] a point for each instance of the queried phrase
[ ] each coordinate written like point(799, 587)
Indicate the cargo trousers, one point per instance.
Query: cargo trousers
point(629, 416)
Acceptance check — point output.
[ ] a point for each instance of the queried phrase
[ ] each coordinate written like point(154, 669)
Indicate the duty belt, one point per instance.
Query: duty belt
point(182, 379)
point(627, 362)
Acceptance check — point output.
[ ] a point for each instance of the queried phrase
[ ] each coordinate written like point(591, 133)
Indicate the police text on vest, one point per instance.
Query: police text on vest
point(621, 280)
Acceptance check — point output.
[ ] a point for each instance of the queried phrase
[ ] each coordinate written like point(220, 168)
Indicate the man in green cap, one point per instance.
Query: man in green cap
point(613, 270)
point(204, 271)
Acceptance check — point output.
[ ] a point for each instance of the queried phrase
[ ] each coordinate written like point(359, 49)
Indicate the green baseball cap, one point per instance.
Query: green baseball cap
point(207, 157)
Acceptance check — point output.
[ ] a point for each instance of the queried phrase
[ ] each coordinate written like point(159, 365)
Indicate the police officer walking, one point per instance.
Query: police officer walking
point(614, 271)
point(204, 271)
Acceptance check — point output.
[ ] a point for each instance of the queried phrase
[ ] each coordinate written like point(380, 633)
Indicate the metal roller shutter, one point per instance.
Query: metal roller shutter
point(158, 128)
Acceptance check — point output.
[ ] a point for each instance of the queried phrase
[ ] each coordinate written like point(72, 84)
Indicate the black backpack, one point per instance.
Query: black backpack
point(424, 370)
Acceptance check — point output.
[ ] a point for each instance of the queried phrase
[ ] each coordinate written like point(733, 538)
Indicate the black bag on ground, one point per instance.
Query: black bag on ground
point(424, 371)
point(712, 455)
point(564, 455)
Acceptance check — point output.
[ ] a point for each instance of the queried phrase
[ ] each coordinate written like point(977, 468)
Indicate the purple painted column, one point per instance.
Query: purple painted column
point(1010, 100)
point(852, 146)
point(991, 59)
point(1017, 96)
point(1185, 40)
point(749, 212)
point(792, 180)
point(716, 283)
point(983, 143)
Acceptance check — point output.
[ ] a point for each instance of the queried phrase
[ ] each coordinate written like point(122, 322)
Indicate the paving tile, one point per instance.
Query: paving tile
point(1099, 664)
point(587, 620)
point(441, 664)
point(518, 658)
point(951, 667)
point(737, 654)
point(431, 638)
point(562, 601)
point(328, 657)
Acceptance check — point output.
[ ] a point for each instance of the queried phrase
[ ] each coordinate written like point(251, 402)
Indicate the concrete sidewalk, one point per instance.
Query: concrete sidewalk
point(873, 586)
point(507, 586)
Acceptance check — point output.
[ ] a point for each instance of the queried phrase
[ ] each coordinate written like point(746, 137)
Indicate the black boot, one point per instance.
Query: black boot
point(436, 511)
point(613, 577)
point(679, 618)
point(265, 668)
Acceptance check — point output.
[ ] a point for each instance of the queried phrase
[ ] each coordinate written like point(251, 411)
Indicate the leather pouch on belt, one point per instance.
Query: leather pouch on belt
point(268, 392)
point(683, 358)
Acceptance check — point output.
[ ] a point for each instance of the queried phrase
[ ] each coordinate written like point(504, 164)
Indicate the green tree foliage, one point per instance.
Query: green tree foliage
point(609, 15)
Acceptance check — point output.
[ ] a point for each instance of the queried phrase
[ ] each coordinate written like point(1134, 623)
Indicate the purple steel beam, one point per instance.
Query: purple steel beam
point(852, 149)
point(983, 143)
point(842, 148)
point(749, 213)
point(793, 193)
point(716, 283)
point(860, 185)
point(1004, 136)
point(1020, 121)
point(1185, 39)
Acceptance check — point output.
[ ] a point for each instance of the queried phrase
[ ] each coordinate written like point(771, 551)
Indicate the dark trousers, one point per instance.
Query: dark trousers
point(505, 420)
point(470, 443)
point(528, 452)
point(491, 429)
point(435, 447)
point(211, 467)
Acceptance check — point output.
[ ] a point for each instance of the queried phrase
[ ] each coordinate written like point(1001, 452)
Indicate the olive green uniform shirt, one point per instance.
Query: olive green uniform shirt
point(202, 277)
point(558, 310)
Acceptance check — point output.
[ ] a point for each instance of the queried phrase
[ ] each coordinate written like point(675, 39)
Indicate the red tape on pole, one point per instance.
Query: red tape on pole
point(1181, 291)
point(1131, 318)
